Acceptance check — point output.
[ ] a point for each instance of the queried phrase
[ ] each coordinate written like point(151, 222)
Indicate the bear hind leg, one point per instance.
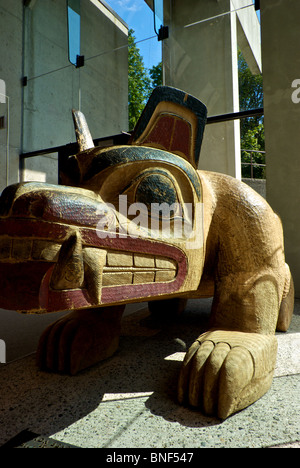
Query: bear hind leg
point(287, 304)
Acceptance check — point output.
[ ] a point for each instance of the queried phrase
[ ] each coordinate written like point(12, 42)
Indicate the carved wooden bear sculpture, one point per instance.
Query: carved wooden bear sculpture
point(139, 222)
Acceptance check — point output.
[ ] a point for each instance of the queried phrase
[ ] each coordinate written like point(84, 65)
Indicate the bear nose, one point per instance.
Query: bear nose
point(7, 198)
point(58, 204)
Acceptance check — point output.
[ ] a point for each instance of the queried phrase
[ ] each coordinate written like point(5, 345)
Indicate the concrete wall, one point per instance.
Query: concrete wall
point(281, 66)
point(259, 185)
point(11, 73)
point(36, 46)
point(99, 89)
point(248, 34)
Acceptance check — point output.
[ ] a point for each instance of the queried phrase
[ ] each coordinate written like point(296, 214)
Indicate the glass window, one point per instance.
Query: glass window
point(158, 15)
point(74, 30)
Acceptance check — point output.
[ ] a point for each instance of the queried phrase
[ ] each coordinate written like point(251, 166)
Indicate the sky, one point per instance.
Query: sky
point(139, 17)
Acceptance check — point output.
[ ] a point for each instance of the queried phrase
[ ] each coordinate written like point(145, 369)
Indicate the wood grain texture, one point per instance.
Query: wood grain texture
point(85, 248)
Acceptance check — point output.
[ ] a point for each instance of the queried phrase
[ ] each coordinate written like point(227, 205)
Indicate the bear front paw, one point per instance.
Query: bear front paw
point(226, 371)
point(79, 340)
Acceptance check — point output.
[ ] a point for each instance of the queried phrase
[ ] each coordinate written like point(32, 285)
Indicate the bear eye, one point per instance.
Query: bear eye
point(154, 195)
point(158, 194)
point(156, 189)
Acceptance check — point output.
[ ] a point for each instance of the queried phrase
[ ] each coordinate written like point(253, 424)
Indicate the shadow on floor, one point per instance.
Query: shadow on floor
point(46, 403)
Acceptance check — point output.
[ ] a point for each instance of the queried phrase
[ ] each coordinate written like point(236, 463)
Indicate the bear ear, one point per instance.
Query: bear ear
point(83, 135)
point(173, 121)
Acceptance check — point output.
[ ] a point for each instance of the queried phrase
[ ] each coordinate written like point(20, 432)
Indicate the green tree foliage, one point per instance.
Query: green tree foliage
point(156, 75)
point(252, 128)
point(141, 81)
point(138, 81)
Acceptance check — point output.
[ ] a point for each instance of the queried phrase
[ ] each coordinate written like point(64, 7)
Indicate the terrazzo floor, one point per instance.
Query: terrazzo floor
point(129, 400)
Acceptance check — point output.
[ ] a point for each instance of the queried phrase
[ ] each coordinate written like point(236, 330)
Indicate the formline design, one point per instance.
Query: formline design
point(71, 247)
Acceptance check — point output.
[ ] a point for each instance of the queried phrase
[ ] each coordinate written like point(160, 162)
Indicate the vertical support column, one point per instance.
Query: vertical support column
point(281, 67)
point(10, 105)
point(4, 132)
point(202, 60)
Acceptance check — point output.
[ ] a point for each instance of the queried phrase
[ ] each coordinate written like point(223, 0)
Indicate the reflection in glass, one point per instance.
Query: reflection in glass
point(158, 15)
point(74, 30)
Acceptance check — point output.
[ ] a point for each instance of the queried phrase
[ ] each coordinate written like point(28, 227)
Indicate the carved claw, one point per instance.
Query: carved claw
point(226, 371)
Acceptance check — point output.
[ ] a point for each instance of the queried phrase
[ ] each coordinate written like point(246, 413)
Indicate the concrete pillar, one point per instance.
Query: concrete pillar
point(201, 58)
point(281, 67)
point(10, 76)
